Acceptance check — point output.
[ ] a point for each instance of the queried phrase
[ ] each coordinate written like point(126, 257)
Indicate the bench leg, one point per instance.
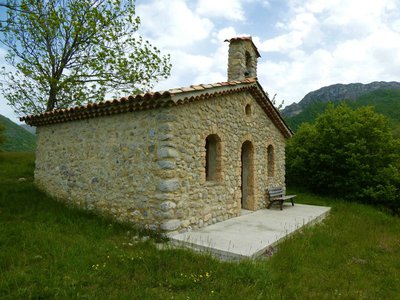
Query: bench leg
point(292, 202)
point(280, 202)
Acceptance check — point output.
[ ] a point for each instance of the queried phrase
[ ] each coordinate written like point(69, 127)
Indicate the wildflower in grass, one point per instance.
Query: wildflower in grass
point(97, 266)
point(198, 278)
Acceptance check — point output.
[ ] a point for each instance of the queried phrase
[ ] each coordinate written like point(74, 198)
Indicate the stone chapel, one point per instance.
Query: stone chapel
point(172, 160)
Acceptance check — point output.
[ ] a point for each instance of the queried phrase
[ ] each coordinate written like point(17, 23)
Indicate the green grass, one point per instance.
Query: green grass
point(50, 251)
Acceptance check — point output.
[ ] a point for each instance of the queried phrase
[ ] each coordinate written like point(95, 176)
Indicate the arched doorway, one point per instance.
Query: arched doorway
point(247, 175)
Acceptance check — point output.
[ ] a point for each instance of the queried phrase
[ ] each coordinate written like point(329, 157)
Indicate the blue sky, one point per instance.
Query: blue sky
point(304, 44)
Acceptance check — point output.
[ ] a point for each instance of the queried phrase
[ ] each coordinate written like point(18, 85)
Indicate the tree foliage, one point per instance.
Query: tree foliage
point(69, 52)
point(348, 153)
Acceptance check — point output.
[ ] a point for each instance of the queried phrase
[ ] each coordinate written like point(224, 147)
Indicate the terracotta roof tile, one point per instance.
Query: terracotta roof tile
point(175, 91)
point(197, 87)
point(161, 99)
point(215, 84)
point(188, 89)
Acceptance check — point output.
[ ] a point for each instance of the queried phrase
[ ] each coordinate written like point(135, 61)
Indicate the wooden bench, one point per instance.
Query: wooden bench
point(277, 195)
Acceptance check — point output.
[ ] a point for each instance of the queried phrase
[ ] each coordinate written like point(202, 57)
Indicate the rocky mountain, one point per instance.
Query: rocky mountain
point(385, 102)
point(338, 92)
point(17, 139)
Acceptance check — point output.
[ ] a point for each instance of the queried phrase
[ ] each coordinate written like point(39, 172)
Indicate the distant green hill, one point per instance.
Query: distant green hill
point(386, 102)
point(18, 139)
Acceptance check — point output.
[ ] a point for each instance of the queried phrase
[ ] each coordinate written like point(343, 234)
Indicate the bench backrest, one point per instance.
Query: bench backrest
point(275, 192)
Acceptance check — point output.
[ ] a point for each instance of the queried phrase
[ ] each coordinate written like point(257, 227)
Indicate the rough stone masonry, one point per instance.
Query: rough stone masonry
point(170, 161)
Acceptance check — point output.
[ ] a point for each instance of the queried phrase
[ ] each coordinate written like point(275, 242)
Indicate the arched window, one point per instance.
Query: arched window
point(213, 158)
point(270, 160)
point(248, 110)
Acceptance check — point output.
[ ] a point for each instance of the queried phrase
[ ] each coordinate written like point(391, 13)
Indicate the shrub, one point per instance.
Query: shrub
point(347, 153)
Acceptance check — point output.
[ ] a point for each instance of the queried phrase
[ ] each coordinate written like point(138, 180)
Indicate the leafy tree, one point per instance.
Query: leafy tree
point(349, 153)
point(69, 52)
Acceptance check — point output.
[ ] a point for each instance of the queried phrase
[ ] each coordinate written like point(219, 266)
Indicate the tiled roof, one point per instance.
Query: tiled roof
point(173, 97)
point(244, 38)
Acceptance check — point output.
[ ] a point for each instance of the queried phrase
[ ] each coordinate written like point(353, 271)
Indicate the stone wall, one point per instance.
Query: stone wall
point(148, 167)
point(198, 202)
point(111, 164)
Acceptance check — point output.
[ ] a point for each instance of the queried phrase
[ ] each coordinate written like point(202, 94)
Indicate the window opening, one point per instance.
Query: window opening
point(248, 110)
point(270, 161)
point(213, 158)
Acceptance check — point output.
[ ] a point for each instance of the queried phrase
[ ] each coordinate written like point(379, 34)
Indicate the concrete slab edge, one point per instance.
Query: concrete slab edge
point(229, 256)
point(271, 247)
point(217, 253)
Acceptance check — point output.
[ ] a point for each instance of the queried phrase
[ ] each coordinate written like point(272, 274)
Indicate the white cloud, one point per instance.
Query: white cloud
point(328, 42)
point(191, 69)
point(303, 27)
point(364, 60)
point(171, 24)
point(227, 9)
point(224, 34)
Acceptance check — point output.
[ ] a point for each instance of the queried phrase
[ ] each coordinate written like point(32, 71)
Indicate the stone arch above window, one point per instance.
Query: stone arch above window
point(213, 158)
point(271, 161)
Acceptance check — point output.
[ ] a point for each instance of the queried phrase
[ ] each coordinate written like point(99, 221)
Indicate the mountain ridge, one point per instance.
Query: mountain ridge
point(338, 92)
point(385, 102)
point(17, 139)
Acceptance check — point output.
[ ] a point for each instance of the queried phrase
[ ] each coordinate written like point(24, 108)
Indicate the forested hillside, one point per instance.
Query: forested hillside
point(386, 102)
point(338, 92)
point(17, 139)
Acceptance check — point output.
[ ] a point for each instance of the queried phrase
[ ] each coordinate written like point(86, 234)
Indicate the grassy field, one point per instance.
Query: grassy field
point(49, 251)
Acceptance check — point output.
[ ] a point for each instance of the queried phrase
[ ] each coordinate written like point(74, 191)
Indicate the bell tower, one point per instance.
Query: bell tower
point(242, 59)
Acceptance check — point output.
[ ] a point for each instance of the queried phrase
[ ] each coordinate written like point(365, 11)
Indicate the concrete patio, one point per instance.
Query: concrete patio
point(253, 234)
